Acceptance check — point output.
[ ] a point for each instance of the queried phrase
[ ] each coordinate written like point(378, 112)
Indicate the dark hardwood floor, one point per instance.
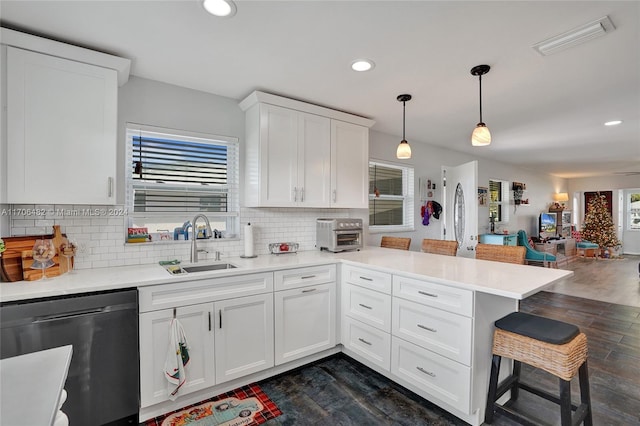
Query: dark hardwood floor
point(340, 391)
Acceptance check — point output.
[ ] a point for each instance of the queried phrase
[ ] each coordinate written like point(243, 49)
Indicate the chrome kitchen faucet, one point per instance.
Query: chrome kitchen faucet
point(194, 227)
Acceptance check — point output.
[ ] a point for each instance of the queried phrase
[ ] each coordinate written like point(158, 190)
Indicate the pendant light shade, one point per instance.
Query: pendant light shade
point(404, 149)
point(481, 135)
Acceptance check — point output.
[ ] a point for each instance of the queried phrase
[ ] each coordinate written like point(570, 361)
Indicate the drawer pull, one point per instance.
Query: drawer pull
point(306, 277)
point(365, 306)
point(427, 294)
point(428, 373)
point(364, 341)
point(309, 290)
point(366, 278)
point(424, 327)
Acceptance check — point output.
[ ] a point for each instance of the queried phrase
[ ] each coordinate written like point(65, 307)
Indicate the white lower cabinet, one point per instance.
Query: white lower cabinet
point(368, 342)
point(444, 379)
point(228, 337)
point(244, 336)
point(305, 321)
point(370, 307)
point(154, 344)
point(439, 331)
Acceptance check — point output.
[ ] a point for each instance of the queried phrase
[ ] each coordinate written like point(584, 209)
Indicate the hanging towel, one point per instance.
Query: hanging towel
point(177, 359)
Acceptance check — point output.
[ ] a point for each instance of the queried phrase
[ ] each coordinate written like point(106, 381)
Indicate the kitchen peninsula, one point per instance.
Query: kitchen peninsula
point(427, 321)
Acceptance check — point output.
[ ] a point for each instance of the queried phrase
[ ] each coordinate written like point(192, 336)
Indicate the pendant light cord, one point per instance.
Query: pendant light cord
point(480, 77)
point(404, 105)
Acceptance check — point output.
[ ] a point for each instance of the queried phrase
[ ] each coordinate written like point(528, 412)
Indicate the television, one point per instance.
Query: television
point(547, 225)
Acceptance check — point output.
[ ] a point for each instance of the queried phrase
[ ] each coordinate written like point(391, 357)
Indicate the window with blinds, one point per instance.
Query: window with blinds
point(179, 174)
point(390, 196)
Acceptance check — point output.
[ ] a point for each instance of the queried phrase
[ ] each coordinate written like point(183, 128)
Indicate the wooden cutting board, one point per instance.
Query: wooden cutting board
point(13, 267)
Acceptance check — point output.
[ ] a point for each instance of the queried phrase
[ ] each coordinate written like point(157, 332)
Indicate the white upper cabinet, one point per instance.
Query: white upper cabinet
point(294, 158)
point(61, 130)
point(349, 165)
point(61, 121)
point(303, 155)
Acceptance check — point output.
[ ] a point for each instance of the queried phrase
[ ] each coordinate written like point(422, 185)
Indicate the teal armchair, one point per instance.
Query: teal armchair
point(533, 255)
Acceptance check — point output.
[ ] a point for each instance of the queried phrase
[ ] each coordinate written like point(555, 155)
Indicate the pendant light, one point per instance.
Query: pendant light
point(481, 135)
point(404, 150)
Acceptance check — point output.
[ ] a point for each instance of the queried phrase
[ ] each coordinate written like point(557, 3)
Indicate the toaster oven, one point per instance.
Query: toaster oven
point(337, 235)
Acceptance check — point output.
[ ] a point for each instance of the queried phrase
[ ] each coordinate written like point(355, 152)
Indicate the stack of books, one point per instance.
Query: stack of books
point(137, 235)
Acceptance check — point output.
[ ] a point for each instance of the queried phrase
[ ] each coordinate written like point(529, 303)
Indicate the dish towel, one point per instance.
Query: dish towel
point(177, 359)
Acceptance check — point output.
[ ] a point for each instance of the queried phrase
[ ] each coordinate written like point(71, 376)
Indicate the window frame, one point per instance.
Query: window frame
point(503, 203)
point(408, 198)
point(231, 217)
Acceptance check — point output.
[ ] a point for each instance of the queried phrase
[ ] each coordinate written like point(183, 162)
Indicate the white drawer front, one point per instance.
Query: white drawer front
point(374, 280)
point(302, 277)
point(440, 331)
point(450, 299)
point(366, 341)
point(446, 380)
point(164, 296)
point(368, 306)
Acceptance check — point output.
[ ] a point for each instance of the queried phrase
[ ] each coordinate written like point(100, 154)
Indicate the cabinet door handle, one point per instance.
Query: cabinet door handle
point(309, 290)
point(428, 373)
point(365, 306)
point(424, 327)
point(366, 278)
point(334, 196)
point(306, 277)
point(295, 194)
point(427, 294)
point(302, 195)
point(364, 341)
point(220, 317)
point(209, 314)
point(110, 187)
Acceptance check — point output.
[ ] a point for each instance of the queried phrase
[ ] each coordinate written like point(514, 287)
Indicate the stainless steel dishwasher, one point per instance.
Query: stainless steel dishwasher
point(103, 381)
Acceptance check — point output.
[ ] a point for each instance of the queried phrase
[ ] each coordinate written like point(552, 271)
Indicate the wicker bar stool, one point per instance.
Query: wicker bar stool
point(554, 346)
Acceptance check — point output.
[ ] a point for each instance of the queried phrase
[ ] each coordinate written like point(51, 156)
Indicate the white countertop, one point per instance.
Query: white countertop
point(31, 386)
point(502, 279)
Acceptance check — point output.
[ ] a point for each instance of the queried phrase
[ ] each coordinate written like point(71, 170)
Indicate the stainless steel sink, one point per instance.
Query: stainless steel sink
point(208, 267)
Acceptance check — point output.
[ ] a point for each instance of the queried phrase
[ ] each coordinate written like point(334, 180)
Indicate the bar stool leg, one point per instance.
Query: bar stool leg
point(565, 402)
point(493, 386)
point(585, 395)
point(515, 388)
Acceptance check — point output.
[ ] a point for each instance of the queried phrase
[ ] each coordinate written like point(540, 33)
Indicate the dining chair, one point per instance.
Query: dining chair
point(498, 253)
point(446, 247)
point(395, 242)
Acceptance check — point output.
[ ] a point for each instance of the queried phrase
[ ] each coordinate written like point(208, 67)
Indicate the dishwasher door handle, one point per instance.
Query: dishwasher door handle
point(68, 315)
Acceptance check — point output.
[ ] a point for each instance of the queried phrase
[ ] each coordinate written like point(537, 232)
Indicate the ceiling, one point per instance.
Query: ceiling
point(544, 112)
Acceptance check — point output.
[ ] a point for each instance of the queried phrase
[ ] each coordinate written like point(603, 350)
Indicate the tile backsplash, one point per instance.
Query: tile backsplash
point(100, 232)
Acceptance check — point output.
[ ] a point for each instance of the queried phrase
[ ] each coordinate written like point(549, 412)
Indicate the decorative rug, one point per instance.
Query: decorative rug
point(245, 406)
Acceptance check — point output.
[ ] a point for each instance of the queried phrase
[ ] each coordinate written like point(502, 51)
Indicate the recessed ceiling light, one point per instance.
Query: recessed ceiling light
point(362, 65)
point(220, 8)
point(613, 123)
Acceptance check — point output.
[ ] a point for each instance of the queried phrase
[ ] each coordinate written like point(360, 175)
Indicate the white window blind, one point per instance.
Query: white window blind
point(173, 173)
point(390, 197)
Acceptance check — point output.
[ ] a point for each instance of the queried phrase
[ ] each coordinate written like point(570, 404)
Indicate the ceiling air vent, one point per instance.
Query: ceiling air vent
point(575, 36)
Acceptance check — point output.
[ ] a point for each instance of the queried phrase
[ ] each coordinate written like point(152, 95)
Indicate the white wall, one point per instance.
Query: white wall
point(427, 161)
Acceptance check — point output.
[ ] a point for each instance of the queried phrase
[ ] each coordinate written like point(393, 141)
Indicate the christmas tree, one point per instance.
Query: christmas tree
point(598, 225)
